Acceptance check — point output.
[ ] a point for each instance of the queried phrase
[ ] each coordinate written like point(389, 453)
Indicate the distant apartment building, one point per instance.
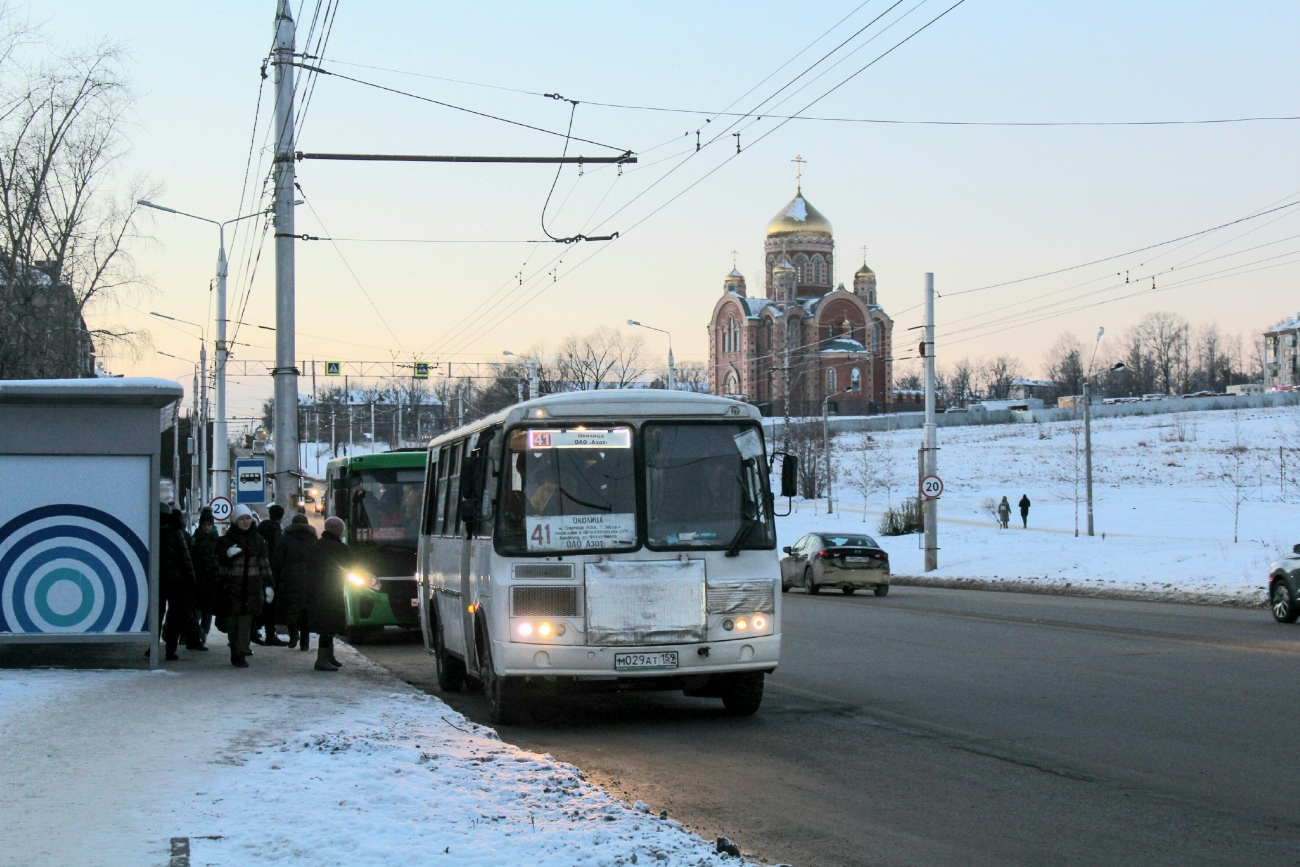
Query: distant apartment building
point(1023, 389)
point(1282, 355)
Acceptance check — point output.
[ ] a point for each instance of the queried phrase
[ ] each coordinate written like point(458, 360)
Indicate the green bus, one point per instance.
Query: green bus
point(379, 498)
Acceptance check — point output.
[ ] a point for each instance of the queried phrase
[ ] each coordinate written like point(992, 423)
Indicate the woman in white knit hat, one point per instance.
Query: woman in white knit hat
point(244, 580)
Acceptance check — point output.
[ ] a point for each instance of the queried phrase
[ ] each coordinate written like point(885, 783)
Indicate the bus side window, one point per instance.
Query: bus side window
point(440, 503)
point(451, 522)
point(430, 496)
point(488, 449)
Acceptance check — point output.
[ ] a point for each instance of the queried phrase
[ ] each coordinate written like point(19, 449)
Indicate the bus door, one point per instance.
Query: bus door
point(475, 519)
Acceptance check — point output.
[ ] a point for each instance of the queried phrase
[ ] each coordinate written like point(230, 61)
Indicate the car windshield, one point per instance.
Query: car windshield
point(568, 490)
point(704, 483)
point(849, 542)
point(386, 507)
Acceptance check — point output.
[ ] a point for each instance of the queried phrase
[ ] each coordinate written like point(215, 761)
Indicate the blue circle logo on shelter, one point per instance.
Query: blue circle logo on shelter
point(72, 568)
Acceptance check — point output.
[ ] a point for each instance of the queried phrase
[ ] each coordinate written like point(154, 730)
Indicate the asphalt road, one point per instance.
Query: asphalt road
point(938, 727)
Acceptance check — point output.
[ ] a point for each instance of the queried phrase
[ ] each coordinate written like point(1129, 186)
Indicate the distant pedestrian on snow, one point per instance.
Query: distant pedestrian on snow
point(1004, 514)
point(290, 565)
point(245, 581)
point(326, 604)
point(1024, 509)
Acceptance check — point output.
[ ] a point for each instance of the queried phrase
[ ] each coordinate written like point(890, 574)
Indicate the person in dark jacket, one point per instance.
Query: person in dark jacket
point(326, 606)
point(289, 565)
point(244, 581)
point(175, 578)
point(203, 554)
point(272, 532)
point(1024, 510)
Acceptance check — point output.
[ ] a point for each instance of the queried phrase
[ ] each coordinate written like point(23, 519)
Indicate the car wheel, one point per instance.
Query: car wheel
point(451, 671)
point(743, 693)
point(504, 694)
point(808, 584)
point(848, 591)
point(882, 589)
point(1283, 602)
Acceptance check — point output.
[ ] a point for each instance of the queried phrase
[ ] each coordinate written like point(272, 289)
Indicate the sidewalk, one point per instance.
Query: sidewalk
point(280, 764)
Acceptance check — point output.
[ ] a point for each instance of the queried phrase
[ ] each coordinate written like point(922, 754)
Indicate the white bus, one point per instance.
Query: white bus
point(603, 541)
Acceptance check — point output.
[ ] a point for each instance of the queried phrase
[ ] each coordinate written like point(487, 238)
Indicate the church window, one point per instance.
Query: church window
point(733, 383)
point(875, 337)
point(855, 380)
point(830, 381)
point(818, 272)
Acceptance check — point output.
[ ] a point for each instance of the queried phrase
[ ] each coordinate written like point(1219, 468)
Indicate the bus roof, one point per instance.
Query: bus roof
point(381, 460)
point(618, 403)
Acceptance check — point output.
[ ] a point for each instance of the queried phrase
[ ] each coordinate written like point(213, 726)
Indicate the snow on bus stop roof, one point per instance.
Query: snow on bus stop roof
point(125, 391)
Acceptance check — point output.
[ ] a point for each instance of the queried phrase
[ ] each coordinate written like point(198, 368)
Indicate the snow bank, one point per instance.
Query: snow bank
point(1163, 506)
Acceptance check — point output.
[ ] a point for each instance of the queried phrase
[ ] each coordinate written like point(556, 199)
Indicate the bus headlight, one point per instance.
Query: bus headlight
point(356, 579)
point(759, 622)
point(524, 630)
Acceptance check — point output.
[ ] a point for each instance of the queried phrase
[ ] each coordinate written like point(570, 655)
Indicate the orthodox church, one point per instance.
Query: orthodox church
point(805, 338)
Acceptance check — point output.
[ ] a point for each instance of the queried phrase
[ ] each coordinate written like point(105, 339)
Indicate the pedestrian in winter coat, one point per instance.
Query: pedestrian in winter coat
point(272, 532)
point(1004, 513)
point(1024, 510)
point(175, 578)
point(244, 581)
point(203, 554)
point(289, 565)
point(326, 606)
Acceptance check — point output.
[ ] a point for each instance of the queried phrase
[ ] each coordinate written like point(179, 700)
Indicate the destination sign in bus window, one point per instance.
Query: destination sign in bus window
point(580, 438)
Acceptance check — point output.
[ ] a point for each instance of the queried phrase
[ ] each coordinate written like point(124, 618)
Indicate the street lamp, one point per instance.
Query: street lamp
point(221, 469)
point(533, 378)
point(672, 377)
point(1087, 422)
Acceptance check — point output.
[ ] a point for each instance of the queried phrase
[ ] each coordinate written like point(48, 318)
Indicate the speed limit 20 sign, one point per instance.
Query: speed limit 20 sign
point(221, 508)
point(931, 487)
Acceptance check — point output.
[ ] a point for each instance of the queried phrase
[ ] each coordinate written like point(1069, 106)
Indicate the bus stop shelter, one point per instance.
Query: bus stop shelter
point(79, 509)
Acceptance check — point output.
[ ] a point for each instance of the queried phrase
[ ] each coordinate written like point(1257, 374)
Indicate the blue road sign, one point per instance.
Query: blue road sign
point(250, 480)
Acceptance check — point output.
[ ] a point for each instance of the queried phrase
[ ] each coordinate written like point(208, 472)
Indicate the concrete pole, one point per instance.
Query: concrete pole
point(203, 426)
point(534, 386)
point(176, 455)
point(220, 449)
point(1087, 446)
point(285, 372)
point(374, 441)
point(931, 447)
point(826, 450)
point(397, 438)
point(672, 370)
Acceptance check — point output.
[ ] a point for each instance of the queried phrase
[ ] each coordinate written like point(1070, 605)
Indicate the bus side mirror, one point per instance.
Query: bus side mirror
point(789, 475)
point(339, 484)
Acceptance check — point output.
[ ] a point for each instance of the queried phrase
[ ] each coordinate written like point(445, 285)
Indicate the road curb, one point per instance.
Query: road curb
point(1254, 599)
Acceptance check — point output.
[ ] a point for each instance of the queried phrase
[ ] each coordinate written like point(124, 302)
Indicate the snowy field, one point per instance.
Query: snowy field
point(286, 766)
point(1165, 492)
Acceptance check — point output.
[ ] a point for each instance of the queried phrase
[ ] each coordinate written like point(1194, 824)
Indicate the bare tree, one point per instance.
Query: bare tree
point(961, 381)
point(1066, 363)
point(691, 376)
point(1234, 472)
point(1069, 466)
point(63, 233)
point(997, 374)
point(862, 473)
point(803, 439)
point(604, 356)
point(1165, 338)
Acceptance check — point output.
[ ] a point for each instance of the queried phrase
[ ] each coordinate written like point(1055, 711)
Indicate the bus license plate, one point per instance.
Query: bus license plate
point(645, 661)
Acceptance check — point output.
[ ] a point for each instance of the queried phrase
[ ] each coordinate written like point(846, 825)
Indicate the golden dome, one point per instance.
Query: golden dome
point(799, 218)
point(864, 271)
point(783, 267)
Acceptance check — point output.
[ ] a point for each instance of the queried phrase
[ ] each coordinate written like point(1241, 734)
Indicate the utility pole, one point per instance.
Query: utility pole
point(203, 426)
point(930, 448)
point(397, 438)
point(1087, 422)
point(534, 387)
point(285, 373)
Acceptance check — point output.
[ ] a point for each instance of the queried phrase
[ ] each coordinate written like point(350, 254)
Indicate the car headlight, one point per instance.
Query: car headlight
point(370, 582)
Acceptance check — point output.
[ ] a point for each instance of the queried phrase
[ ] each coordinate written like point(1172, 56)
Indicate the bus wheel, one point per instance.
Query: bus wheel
point(451, 671)
point(743, 693)
point(359, 635)
point(504, 694)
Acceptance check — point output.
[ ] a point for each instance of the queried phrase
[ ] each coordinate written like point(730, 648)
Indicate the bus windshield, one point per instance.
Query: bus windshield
point(386, 507)
point(568, 490)
point(704, 487)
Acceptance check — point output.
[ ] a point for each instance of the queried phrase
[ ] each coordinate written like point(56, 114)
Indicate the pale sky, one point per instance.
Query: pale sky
point(975, 205)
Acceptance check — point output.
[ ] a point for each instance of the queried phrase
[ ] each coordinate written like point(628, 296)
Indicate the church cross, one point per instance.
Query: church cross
point(864, 254)
point(798, 172)
point(734, 254)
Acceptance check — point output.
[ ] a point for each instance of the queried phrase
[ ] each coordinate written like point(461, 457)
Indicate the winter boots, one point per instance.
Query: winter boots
point(238, 660)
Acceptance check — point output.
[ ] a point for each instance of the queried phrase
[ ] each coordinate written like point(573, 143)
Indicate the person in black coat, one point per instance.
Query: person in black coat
point(1024, 510)
point(203, 553)
point(289, 564)
point(272, 532)
point(175, 578)
point(326, 605)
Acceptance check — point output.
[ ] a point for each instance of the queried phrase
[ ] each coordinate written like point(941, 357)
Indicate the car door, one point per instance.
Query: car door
point(791, 566)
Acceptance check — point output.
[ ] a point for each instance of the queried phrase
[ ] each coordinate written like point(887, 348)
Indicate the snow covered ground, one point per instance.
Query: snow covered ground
point(287, 766)
point(1164, 493)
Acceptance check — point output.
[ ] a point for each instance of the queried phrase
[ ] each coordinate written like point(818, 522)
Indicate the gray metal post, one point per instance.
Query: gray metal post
point(285, 372)
point(1087, 445)
point(374, 434)
point(176, 454)
point(533, 384)
point(220, 450)
point(931, 445)
point(826, 450)
point(397, 438)
point(203, 426)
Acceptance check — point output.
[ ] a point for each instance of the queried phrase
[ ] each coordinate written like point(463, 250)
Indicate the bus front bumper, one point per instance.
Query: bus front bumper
point(391, 605)
point(597, 663)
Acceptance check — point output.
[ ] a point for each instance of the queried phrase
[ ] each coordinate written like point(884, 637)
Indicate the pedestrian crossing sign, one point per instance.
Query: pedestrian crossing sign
point(421, 370)
point(333, 368)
